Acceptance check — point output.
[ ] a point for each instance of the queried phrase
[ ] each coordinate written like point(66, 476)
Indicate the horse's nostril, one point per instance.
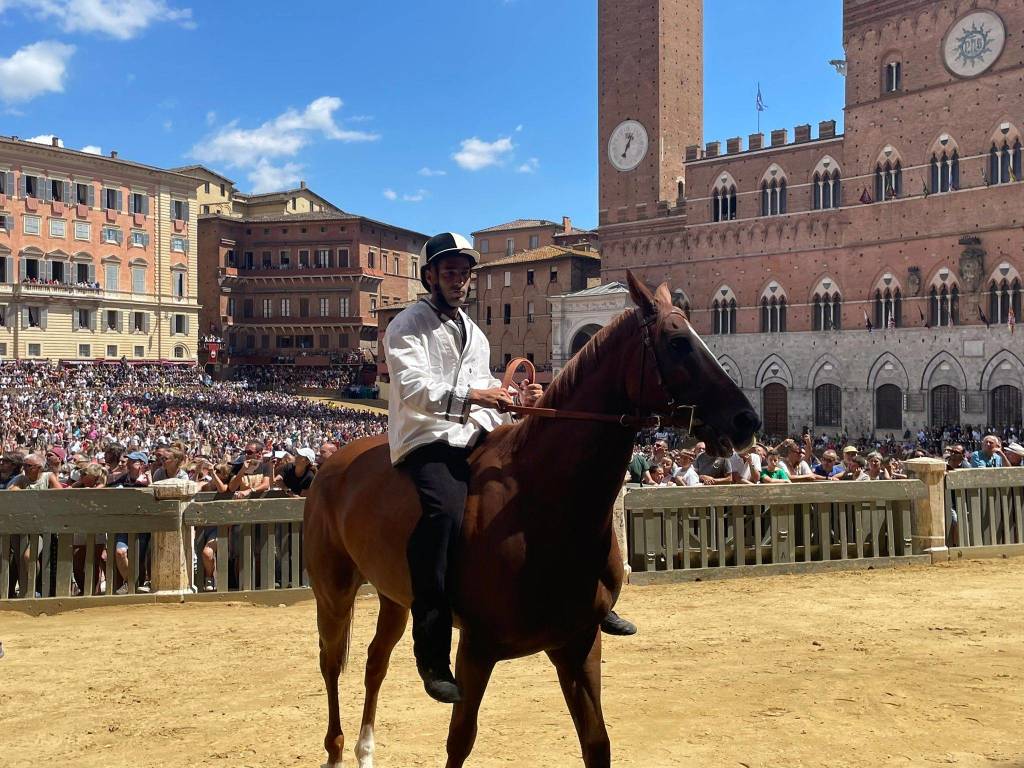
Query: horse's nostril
point(746, 422)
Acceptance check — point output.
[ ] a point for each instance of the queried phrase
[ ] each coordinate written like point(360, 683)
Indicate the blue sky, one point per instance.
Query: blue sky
point(448, 114)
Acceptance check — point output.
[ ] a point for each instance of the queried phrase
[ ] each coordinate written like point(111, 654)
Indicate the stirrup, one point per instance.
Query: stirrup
point(613, 624)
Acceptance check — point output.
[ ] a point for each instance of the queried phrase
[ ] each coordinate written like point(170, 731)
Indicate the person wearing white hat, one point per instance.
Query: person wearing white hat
point(296, 476)
point(1013, 454)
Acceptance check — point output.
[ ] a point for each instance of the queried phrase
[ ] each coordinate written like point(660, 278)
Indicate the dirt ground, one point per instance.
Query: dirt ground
point(909, 667)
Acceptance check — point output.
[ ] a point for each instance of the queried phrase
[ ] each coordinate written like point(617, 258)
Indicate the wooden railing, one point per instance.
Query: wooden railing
point(707, 530)
point(985, 507)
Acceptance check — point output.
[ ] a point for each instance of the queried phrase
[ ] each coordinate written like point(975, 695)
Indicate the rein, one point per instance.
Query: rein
point(654, 421)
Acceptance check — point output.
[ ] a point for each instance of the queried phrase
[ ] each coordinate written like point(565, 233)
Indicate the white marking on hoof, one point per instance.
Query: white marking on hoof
point(364, 747)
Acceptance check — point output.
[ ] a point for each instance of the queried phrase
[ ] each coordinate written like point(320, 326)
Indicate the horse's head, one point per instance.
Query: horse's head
point(678, 372)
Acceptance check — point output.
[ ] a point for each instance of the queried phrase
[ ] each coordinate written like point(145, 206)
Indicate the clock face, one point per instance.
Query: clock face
point(627, 145)
point(974, 43)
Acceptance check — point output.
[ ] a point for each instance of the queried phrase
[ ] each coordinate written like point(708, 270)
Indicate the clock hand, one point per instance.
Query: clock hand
point(629, 140)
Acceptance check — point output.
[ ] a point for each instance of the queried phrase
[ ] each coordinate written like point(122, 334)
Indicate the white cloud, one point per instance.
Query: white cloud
point(425, 171)
point(530, 166)
point(476, 154)
point(47, 139)
point(211, 117)
point(33, 70)
point(390, 194)
point(267, 177)
point(519, 128)
point(416, 197)
point(168, 125)
point(92, 149)
point(259, 149)
point(120, 19)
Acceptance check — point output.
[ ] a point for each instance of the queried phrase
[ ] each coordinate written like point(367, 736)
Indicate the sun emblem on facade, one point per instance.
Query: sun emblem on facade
point(974, 45)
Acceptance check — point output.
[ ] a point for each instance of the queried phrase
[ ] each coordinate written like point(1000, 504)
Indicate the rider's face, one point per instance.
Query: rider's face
point(451, 280)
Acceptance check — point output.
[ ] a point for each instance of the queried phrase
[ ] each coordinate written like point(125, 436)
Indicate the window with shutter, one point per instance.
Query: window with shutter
point(138, 280)
point(110, 276)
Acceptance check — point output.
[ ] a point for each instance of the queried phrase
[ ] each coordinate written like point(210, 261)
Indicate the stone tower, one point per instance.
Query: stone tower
point(650, 70)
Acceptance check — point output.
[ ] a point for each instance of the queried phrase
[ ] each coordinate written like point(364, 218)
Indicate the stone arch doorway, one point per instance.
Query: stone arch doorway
point(583, 335)
point(1005, 407)
point(888, 407)
point(775, 410)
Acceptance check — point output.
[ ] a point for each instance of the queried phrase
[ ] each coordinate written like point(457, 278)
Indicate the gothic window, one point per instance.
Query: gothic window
point(773, 197)
point(723, 313)
point(773, 315)
point(723, 200)
point(888, 180)
point(945, 172)
point(1004, 163)
point(1003, 297)
point(892, 77)
point(826, 307)
point(944, 306)
point(826, 190)
point(888, 308)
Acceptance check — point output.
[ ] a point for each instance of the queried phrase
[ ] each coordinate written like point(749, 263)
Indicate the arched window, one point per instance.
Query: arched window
point(723, 199)
point(773, 197)
point(888, 308)
point(1004, 163)
point(828, 406)
point(773, 315)
point(723, 312)
point(826, 307)
point(945, 172)
point(892, 77)
point(888, 407)
point(826, 190)
point(945, 406)
point(1006, 407)
point(888, 180)
point(944, 306)
point(1002, 298)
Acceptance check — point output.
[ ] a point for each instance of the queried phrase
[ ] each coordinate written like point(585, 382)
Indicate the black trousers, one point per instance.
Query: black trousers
point(441, 475)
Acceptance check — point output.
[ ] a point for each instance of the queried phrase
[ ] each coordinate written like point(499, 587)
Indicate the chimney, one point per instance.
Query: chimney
point(779, 137)
point(302, 184)
point(711, 149)
point(827, 129)
point(55, 141)
point(566, 225)
point(755, 141)
point(113, 154)
point(802, 133)
point(734, 145)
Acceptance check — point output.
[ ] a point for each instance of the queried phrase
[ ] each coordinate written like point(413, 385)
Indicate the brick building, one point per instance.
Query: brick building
point(294, 278)
point(97, 257)
point(785, 250)
point(529, 234)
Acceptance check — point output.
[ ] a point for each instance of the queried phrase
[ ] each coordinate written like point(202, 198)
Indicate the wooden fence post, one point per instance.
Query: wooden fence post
point(928, 527)
point(171, 561)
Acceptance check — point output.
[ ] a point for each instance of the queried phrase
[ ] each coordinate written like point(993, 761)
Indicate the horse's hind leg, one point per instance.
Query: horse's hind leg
point(334, 610)
point(579, 673)
point(391, 623)
point(472, 672)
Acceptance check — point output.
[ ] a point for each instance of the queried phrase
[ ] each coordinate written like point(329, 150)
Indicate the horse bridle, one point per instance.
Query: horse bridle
point(632, 421)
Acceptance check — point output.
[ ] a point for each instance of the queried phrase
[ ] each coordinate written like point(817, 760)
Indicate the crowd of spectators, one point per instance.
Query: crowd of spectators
point(266, 377)
point(810, 460)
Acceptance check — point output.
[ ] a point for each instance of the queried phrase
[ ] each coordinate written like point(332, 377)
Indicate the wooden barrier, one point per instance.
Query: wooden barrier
point(684, 533)
point(984, 511)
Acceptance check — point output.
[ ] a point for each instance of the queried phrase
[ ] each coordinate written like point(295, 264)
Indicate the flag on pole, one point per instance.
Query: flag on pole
point(867, 322)
point(760, 100)
point(981, 316)
point(1011, 320)
point(924, 320)
point(865, 197)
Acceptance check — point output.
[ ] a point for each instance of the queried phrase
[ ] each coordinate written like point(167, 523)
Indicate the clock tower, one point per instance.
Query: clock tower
point(650, 100)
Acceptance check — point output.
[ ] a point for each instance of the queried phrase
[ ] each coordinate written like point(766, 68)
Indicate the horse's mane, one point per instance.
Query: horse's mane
point(571, 376)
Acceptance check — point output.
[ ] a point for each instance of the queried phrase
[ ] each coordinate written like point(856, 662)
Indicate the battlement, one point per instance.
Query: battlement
point(755, 142)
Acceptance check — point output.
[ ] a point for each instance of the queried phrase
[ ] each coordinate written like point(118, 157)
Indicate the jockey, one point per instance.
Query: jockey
point(443, 400)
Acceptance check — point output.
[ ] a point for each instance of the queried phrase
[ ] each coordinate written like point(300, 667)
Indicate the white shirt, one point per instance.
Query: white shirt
point(689, 475)
point(431, 378)
point(751, 471)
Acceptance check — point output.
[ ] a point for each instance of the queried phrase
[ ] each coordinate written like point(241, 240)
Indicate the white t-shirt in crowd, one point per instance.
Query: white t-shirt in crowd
point(689, 475)
point(746, 471)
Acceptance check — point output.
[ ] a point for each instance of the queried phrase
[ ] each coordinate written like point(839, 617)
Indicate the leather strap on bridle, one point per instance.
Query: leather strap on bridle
point(654, 421)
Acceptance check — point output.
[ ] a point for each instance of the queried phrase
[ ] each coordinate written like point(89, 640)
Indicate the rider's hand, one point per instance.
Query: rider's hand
point(497, 398)
point(529, 393)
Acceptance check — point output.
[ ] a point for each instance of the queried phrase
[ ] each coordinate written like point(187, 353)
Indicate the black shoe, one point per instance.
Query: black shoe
point(613, 624)
point(439, 683)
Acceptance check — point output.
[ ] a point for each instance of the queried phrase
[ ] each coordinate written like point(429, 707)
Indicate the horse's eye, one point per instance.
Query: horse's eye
point(681, 346)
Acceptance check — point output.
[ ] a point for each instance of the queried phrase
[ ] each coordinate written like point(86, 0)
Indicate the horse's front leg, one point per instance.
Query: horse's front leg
point(579, 673)
point(472, 672)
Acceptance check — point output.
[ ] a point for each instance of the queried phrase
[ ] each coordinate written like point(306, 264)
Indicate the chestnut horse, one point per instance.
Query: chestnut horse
point(536, 566)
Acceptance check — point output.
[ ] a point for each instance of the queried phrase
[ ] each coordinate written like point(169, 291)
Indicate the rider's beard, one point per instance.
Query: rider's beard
point(442, 303)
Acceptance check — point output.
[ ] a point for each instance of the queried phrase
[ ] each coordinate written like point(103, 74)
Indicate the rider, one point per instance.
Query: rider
point(444, 399)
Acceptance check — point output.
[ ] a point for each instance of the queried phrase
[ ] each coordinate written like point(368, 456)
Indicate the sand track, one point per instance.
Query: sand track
point(912, 667)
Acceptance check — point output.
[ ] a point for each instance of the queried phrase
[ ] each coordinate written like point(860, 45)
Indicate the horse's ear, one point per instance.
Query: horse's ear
point(640, 294)
point(663, 297)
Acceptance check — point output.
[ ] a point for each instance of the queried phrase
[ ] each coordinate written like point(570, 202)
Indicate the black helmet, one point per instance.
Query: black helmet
point(445, 244)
